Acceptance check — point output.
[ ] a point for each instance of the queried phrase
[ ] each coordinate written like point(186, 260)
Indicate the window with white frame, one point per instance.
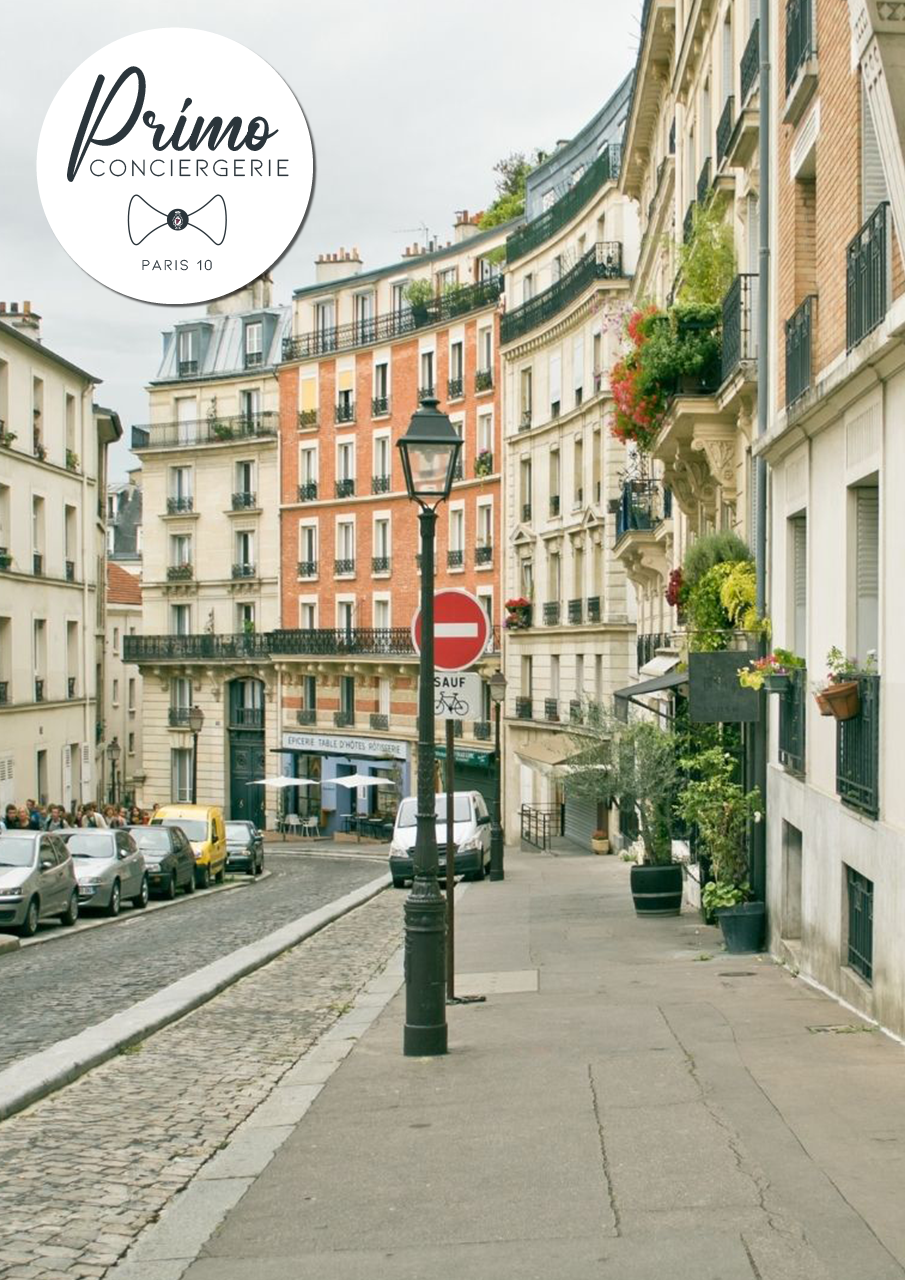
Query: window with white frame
point(381, 447)
point(308, 615)
point(250, 403)
point(485, 433)
point(485, 526)
point(324, 322)
point(114, 697)
point(398, 294)
point(527, 287)
point(364, 316)
point(383, 696)
point(180, 619)
point(245, 617)
point(308, 467)
point(381, 562)
point(181, 774)
point(188, 351)
point(254, 343)
point(345, 546)
point(345, 614)
point(245, 553)
point(458, 425)
point(345, 466)
point(526, 381)
point(485, 600)
point(180, 489)
point(578, 368)
point(448, 278)
point(381, 608)
point(579, 675)
point(180, 549)
point(456, 538)
point(456, 368)
point(426, 366)
point(381, 387)
point(555, 384)
point(245, 484)
point(308, 549)
point(180, 694)
point(485, 350)
point(526, 577)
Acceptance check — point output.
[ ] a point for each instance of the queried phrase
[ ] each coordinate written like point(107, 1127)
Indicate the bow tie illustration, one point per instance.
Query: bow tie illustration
point(210, 219)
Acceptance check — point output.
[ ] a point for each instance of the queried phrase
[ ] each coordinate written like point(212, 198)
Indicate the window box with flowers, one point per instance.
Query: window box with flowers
point(518, 614)
point(483, 463)
point(773, 672)
point(840, 695)
point(72, 460)
point(6, 437)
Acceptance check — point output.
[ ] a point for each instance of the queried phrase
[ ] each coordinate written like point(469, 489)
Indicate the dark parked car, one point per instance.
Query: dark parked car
point(244, 848)
point(168, 857)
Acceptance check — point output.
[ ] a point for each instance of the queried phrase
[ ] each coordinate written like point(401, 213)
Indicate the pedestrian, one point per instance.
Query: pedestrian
point(11, 817)
point(56, 819)
point(90, 816)
point(135, 816)
point(33, 813)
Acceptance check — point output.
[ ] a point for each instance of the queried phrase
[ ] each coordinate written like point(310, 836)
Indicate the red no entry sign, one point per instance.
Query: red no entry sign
point(461, 630)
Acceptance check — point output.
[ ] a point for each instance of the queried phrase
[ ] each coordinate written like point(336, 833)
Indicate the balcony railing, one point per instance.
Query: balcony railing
point(4, 693)
point(481, 730)
point(484, 554)
point(245, 569)
point(253, 359)
point(178, 717)
point(39, 690)
point(380, 564)
point(70, 687)
point(5, 558)
point(551, 613)
point(551, 709)
point(244, 500)
point(180, 572)
point(603, 261)
point(246, 717)
point(379, 722)
point(344, 567)
point(739, 323)
point(193, 648)
point(307, 419)
point(524, 708)
point(799, 37)
point(575, 611)
point(593, 608)
point(604, 169)
point(345, 488)
point(750, 64)
point(211, 430)
point(380, 406)
point(380, 484)
point(455, 388)
point(646, 646)
point(704, 181)
point(799, 335)
point(308, 491)
point(483, 380)
point(37, 564)
point(426, 392)
point(554, 504)
point(70, 570)
point(176, 506)
point(394, 324)
point(867, 277)
point(526, 512)
point(455, 559)
point(643, 505)
point(688, 223)
point(576, 713)
point(341, 641)
point(858, 752)
point(724, 129)
point(186, 368)
point(306, 715)
point(483, 463)
point(344, 411)
point(307, 568)
point(343, 719)
point(325, 642)
point(792, 721)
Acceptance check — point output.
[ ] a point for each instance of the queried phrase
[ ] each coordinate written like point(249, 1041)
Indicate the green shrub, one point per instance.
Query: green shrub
point(708, 550)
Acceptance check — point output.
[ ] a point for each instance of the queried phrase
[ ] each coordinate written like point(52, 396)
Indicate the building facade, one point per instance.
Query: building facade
point(123, 688)
point(570, 626)
point(366, 348)
point(124, 527)
point(53, 457)
point(210, 562)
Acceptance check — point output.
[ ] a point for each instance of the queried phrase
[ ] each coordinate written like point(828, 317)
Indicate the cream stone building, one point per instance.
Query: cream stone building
point(210, 564)
point(123, 684)
point(53, 458)
point(569, 639)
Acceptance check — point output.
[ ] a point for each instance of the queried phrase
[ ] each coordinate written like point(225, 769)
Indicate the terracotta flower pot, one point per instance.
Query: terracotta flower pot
point(823, 704)
point(844, 699)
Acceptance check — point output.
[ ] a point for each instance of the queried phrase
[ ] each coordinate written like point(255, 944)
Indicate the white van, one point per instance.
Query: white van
point(471, 833)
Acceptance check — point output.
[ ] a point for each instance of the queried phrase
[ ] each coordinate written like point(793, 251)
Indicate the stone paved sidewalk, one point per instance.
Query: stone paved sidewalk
point(83, 1172)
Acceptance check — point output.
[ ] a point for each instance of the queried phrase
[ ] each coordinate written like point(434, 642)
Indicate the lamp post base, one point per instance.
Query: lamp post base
point(425, 1033)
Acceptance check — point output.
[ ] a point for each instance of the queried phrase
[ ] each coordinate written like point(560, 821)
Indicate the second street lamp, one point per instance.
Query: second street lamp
point(114, 751)
point(497, 684)
point(429, 450)
point(196, 724)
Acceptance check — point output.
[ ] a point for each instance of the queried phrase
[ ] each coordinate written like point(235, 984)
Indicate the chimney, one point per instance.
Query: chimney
point(466, 225)
point(26, 320)
point(255, 296)
point(337, 266)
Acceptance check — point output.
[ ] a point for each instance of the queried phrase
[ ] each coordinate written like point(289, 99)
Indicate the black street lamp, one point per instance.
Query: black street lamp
point(114, 751)
point(497, 685)
point(429, 450)
point(196, 724)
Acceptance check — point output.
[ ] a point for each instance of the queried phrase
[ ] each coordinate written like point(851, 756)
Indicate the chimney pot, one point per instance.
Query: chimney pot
point(26, 307)
point(2, 308)
point(14, 308)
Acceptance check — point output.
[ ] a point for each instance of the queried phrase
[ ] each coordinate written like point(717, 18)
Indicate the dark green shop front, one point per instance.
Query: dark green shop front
point(474, 771)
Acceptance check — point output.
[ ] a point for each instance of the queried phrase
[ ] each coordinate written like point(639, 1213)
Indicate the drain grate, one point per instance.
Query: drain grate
point(841, 1029)
point(739, 973)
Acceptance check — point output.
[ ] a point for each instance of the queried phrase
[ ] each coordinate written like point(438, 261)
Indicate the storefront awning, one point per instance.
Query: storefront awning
point(635, 692)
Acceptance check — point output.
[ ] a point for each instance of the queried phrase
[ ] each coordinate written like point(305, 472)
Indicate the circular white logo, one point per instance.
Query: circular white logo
point(175, 166)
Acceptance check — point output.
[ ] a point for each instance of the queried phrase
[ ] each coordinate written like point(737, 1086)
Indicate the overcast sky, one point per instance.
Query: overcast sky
point(409, 106)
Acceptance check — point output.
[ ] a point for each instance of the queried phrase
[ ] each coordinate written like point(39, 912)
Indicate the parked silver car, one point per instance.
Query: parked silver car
point(37, 881)
point(109, 868)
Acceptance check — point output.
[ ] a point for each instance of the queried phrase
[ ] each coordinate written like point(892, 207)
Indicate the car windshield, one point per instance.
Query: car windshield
point(151, 838)
point(87, 846)
point(16, 851)
point(238, 831)
point(194, 828)
point(409, 808)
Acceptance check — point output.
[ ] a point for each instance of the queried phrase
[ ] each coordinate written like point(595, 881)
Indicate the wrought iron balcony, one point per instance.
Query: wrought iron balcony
point(244, 500)
point(39, 690)
point(551, 709)
point(344, 567)
point(750, 64)
point(724, 129)
point(308, 491)
point(867, 270)
point(551, 613)
point(426, 392)
point(554, 504)
point(575, 611)
point(858, 752)
point(253, 359)
point(688, 223)
point(593, 608)
point(603, 170)
point(380, 406)
point(307, 419)
point(792, 723)
point(643, 505)
point(484, 554)
point(193, 648)
point(739, 324)
point(246, 717)
point(455, 388)
point(458, 728)
point(704, 181)
point(525, 420)
point(5, 558)
point(186, 368)
point(307, 568)
point(483, 463)
point(380, 564)
point(344, 411)
point(483, 380)
point(646, 646)
point(459, 469)
point(306, 715)
point(340, 641)
point(380, 484)
point(455, 559)
point(799, 37)
point(210, 430)
point(603, 261)
point(177, 506)
point(324, 642)
point(526, 512)
point(178, 717)
point(70, 687)
point(4, 693)
point(343, 719)
point(70, 570)
point(524, 708)
point(379, 722)
point(345, 488)
point(481, 730)
point(576, 714)
point(244, 570)
point(37, 564)
point(393, 324)
point(799, 336)
point(180, 572)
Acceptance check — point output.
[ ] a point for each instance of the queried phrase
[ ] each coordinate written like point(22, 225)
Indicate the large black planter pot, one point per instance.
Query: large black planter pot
point(657, 891)
point(743, 927)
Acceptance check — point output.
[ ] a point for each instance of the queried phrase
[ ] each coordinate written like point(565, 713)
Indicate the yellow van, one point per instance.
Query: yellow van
point(205, 830)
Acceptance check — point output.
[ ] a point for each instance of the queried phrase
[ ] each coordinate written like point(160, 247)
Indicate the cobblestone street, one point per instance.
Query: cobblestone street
point(83, 1172)
point(55, 990)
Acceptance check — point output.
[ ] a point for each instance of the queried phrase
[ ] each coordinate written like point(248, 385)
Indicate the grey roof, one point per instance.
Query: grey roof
point(11, 331)
point(224, 354)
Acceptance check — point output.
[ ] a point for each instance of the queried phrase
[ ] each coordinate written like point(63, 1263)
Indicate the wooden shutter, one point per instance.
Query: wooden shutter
point(799, 530)
point(867, 570)
point(873, 179)
point(345, 380)
point(86, 772)
point(308, 394)
point(67, 776)
point(7, 788)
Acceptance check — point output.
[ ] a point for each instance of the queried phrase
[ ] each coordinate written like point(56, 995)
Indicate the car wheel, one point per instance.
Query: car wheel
point(115, 897)
point(29, 926)
point(398, 883)
point(143, 895)
point(203, 879)
point(171, 887)
point(71, 914)
point(189, 886)
point(221, 874)
point(481, 871)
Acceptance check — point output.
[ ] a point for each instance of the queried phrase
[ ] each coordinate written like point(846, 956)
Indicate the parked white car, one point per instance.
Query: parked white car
point(471, 833)
point(109, 868)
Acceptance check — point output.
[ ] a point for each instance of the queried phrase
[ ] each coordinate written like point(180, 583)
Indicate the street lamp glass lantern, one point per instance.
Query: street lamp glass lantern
point(114, 751)
point(196, 719)
point(429, 450)
point(497, 683)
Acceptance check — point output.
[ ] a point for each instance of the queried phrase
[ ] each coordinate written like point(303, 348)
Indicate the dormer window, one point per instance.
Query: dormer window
point(254, 344)
point(188, 353)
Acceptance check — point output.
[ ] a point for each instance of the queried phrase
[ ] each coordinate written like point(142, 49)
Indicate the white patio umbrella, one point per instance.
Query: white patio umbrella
point(284, 780)
point(363, 780)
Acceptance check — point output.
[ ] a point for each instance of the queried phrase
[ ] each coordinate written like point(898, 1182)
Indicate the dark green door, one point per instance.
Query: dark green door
point(246, 765)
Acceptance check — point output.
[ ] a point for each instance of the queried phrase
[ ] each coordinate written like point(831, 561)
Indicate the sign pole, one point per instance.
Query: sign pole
point(450, 860)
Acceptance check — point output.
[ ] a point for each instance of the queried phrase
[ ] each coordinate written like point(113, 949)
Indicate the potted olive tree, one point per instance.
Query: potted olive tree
point(634, 762)
point(722, 810)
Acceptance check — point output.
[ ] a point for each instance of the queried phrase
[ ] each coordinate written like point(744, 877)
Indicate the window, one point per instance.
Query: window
point(308, 401)
point(181, 774)
point(578, 468)
point(426, 385)
point(798, 545)
point(345, 546)
point(485, 524)
point(456, 363)
point(578, 368)
point(307, 550)
point(382, 383)
point(399, 303)
point(557, 268)
point(867, 541)
point(525, 487)
point(598, 678)
point(307, 615)
point(245, 552)
point(41, 776)
point(554, 576)
point(245, 482)
point(180, 694)
point(485, 349)
point(457, 532)
point(381, 446)
point(527, 287)
point(37, 531)
point(527, 578)
point(245, 618)
point(345, 615)
point(458, 425)
point(485, 433)
point(324, 324)
point(382, 544)
point(114, 693)
point(72, 658)
point(527, 675)
point(250, 405)
point(180, 619)
point(555, 384)
point(447, 279)
point(188, 352)
point(579, 675)
point(254, 343)
point(873, 180)
point(383, 696)
point(308, 467)
point(525, 398)
point(131, 742)
point(180, 549)
point(345, 461)
point(181, 488)
point(860, 923)
point(347, 696)
point(364, 316)
point(554, 676)
point(381, 613)
point(309, 693)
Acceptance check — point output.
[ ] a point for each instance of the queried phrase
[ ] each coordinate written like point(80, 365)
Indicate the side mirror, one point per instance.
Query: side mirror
point(122, 854)
point(46, 864)
point(484, 820)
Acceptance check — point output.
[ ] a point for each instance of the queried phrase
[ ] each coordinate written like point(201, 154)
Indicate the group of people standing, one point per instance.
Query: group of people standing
point(33, 816)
